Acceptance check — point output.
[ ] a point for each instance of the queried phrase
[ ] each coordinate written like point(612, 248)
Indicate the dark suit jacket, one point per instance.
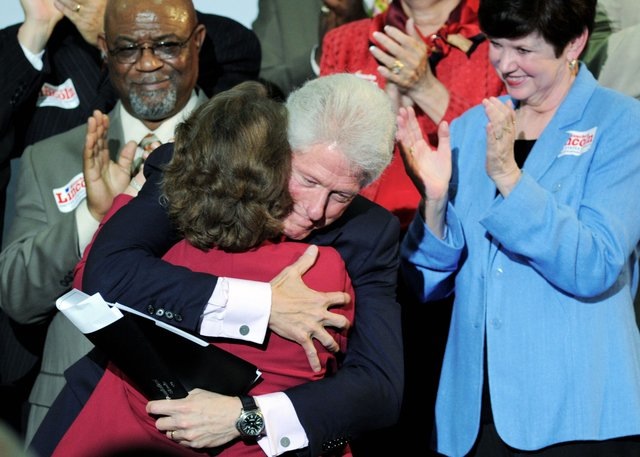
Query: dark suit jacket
point(230, 54)
point(124, 265)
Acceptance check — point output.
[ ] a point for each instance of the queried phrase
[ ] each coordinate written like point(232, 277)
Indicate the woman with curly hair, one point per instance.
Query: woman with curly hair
point(226, 190)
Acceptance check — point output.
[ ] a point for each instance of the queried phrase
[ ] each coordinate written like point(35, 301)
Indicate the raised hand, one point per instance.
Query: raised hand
point(403, 55)
point(104, 178)
point(404, 60)
point(86, 15)
point(40, 17)
point(429, 169)
point(201, 420)
point(501, 164)
point(301, 314)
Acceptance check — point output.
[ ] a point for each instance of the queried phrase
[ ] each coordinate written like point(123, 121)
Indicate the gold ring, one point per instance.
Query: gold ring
point(171, 434)
point(397, 67)
point(77, 8)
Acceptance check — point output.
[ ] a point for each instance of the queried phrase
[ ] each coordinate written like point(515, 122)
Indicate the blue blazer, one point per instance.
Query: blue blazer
point(547, 275)
point(124, 264)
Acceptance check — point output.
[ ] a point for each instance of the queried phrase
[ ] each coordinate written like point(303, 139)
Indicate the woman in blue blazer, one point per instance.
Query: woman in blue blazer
point(531, 214)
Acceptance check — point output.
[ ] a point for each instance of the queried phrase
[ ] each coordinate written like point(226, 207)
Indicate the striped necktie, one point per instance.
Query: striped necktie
point(147, 144)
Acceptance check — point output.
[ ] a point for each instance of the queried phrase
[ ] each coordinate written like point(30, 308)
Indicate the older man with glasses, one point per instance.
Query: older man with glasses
point(151, 50)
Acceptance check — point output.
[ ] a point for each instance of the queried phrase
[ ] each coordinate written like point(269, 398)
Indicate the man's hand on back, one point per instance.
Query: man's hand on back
point(301, 314)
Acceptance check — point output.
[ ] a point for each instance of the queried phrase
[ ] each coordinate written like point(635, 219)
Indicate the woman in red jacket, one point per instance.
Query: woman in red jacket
point(429, 54)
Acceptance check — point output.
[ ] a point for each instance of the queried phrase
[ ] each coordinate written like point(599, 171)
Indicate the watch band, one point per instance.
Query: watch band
point(248, 403)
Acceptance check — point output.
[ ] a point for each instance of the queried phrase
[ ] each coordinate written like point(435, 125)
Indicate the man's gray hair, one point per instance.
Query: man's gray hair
point(348, 113)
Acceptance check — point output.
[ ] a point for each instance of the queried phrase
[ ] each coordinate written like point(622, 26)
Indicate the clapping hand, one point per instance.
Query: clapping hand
point(430, 169)
point(86, 15)
point(40, 18)
point(501, 164)
point(104, 178)
point(404, 60)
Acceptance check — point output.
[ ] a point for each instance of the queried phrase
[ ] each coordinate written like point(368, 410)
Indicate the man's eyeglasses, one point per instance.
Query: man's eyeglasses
point(163, 50)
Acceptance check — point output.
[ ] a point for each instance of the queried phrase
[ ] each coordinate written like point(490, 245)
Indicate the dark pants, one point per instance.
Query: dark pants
point(20, 354)
point(489, 444)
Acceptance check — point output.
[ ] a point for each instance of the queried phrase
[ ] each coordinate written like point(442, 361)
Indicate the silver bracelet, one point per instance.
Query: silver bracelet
point(135, 185)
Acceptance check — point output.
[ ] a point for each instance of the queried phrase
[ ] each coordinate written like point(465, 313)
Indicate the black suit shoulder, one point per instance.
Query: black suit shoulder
point(230, 54)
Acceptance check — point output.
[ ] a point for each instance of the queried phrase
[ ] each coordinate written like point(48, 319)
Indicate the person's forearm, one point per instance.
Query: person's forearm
point(434, 213)
point(34, 34)
point(284, 432)
point(432, 98)
point(238, 309)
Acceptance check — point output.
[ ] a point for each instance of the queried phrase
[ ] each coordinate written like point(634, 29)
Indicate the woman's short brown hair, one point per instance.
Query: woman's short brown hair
point(227, 183)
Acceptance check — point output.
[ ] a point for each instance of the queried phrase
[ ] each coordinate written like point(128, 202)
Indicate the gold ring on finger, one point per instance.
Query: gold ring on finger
point(397, 67)
point(77, 8)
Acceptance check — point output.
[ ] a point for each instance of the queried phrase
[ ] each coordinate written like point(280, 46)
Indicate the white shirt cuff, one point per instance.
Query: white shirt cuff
point(284, 430)
point(238, 309)
point(34, 59)
point(86, 226)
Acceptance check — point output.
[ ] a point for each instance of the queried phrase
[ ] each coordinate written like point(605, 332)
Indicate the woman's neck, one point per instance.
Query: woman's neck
point(533, 115)
point(429, 15)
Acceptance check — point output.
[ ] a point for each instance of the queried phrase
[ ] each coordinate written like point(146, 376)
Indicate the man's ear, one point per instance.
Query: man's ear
point(102, 45)
point(199, 35)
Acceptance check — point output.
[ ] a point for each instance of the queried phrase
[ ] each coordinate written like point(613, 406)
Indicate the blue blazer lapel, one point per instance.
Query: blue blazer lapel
point(554, 137)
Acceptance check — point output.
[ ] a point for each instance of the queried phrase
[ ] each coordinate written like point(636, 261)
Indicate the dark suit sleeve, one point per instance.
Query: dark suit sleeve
point(125, 263)
point(67, 56)
point(230, 54)
point(366, 393)
point(19, 81)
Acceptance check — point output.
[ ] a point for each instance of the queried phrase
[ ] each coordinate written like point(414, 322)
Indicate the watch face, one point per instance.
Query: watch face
point(251, 423)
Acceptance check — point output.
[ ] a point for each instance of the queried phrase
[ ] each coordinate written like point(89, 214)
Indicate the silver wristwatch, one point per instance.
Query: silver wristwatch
point(250, 424)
